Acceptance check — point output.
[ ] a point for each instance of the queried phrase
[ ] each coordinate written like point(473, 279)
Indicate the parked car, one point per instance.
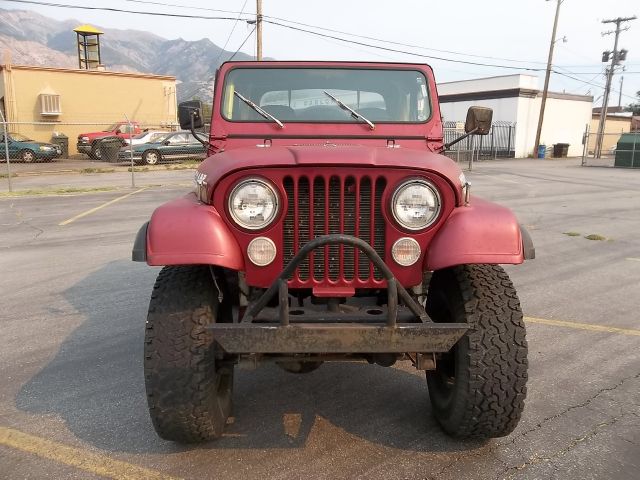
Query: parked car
point(327, 225)
point(148, 136)
point(170, 146)
point(89, 143)
point(28, 150)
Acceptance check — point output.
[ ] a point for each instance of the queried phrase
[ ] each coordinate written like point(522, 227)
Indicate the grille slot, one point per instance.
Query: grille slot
point(330, 205)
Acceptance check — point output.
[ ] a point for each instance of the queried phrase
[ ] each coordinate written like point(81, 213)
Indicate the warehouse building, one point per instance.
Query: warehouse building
point(516, 99)
point(39, 102)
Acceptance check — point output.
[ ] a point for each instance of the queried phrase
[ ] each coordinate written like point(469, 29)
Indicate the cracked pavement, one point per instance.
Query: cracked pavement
point(72, 322)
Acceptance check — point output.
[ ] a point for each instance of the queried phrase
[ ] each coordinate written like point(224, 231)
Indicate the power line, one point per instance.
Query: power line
point(120, 10)
point(242, 44)
point(235, 24)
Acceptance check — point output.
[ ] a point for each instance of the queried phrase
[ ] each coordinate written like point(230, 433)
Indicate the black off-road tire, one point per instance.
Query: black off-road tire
point(189, 389)
point(479, 387)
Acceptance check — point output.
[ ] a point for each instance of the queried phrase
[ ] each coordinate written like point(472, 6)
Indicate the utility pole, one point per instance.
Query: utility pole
point(259, 30)
point(545, 91)
point(616, 57)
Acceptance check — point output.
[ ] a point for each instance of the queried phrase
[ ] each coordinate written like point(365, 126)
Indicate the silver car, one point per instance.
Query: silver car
point(149, 136)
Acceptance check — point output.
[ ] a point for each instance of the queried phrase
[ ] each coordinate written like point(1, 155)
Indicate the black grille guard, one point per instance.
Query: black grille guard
point(268, 330)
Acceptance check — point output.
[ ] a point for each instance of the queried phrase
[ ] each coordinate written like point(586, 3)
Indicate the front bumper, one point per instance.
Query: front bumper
point(83, 148)
point(286, 330)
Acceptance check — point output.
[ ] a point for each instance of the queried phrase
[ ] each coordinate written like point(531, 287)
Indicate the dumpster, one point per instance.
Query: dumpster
point(542, 150)
point(109, 148)
point(628, 151)
point(560, 150)
point(62, 141)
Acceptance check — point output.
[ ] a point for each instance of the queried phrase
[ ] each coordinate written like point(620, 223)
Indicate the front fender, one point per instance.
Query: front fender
point(187, 232)
point(482, 232)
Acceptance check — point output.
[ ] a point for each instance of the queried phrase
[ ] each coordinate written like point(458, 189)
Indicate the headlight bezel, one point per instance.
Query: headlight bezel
point(276, 204)
point(425, 183)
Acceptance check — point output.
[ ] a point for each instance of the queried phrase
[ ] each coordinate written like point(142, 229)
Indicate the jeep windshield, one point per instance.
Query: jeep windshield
point(301, 95)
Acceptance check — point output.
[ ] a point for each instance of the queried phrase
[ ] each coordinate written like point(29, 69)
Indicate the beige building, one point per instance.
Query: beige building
point(38, 101)
point(616, 125)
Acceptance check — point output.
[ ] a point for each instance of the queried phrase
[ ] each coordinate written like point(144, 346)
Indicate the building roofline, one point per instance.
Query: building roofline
point(509, 93)
point(88, 72)
point(488, 78)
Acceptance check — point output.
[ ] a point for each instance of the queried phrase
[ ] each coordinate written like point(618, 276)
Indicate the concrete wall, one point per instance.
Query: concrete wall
point(88, 97)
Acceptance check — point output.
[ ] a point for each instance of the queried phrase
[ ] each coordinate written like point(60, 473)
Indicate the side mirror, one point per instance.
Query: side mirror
point(189, 110)
point(166, 142)
point(478, 120)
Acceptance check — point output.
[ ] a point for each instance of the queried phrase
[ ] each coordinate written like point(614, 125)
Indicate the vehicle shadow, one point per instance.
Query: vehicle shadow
point(95, 383)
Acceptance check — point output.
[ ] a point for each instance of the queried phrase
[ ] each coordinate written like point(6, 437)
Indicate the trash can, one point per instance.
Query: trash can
point(560, 150)
point(542, 150)
point(62, 141)
point(109, 148)
point(628, 151)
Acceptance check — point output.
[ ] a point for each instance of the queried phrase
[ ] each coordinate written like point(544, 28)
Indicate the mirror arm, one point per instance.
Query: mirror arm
point(446, 146)
point(204, 143)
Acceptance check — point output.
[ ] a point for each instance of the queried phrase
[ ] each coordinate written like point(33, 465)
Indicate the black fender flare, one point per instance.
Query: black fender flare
point(527, 244)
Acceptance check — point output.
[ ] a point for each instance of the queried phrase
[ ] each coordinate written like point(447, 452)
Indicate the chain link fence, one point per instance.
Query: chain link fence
point(95, 147)
point(609, 149)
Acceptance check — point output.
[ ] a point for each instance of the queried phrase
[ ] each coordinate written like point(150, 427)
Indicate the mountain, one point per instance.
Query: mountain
point(35, 39)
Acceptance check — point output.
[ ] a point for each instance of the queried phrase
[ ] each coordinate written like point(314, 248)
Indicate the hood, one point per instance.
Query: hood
point(221, 164)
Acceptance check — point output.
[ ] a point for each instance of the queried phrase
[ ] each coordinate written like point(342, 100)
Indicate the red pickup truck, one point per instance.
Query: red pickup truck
point(88, 142)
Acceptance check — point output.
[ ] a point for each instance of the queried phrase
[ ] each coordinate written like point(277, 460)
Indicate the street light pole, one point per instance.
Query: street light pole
point(545, 92)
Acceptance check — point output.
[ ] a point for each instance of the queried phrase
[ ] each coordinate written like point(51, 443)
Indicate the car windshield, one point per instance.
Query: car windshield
point(300, 95)
point(141, 135)
point(111, 128)
point(19, 138)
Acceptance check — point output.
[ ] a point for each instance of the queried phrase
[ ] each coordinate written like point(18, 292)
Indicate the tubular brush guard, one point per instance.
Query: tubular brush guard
point(408, 328)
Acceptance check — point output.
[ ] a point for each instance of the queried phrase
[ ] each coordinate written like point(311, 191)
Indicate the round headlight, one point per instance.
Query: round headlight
point(253, 204)
point(415, 204)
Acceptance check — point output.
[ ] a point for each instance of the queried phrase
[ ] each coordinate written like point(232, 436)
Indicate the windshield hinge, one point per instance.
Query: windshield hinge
point(391, 143)
point(266, 143)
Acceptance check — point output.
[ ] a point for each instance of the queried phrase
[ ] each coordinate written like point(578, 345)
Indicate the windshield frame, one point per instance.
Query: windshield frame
point(284, 66)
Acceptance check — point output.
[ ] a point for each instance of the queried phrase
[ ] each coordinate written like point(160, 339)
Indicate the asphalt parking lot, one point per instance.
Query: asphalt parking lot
point(72, 400)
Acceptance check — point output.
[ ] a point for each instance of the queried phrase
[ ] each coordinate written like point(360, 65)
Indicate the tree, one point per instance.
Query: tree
point(635, 107)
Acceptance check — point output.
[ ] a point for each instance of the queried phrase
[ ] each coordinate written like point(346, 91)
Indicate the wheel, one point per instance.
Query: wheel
point(189, 388)
point(96, 153)
point(478, 388)
point(27, 156)
point(151, 157)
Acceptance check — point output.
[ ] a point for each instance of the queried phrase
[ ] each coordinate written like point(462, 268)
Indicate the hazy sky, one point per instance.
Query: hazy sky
point(504, 29)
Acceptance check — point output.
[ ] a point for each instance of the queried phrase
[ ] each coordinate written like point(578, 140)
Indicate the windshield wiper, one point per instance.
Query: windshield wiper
point(354, 114)
point(261, 111)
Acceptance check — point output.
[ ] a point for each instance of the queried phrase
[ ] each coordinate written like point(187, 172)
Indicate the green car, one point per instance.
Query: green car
point(27, 150)
point(172, 146)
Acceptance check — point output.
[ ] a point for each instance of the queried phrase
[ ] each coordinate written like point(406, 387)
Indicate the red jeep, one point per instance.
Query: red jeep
point(89, 143)
point(326, 225)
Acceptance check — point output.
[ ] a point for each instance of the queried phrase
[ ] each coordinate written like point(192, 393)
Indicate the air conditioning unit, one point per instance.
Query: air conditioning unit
point(50, 105)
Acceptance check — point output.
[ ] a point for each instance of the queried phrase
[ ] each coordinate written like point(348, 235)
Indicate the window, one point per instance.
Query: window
point(50, 104)
point(304, 94)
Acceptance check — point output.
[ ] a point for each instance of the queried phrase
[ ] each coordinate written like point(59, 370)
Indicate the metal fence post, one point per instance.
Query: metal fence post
point(585, 146)
point(133, 177)
point(6, 150)
point(473, 145)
